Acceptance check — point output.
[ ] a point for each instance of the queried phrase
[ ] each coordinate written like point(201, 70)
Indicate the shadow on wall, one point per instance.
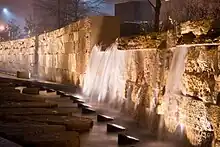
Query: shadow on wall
point(104, 30)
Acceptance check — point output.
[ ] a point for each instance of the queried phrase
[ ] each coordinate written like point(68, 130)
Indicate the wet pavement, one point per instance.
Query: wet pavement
point(52, 118)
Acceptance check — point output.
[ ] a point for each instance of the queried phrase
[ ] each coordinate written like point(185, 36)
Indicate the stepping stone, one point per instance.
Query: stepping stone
point(42, 88)
point(58, 139)
point(88, 111)
point(34, 91)
point(60, 92)
point(31, 127)
point(114, 128)
point(72, 123)
point(104, 118)
point(28, 105)
point(65, 95)
point(9, 89)
point(50, 90)
point(23, 74)
point(18, 97)
point(82, 105)
point(39, 135)
point(2, 85)
point(78, 101)
point(37, 111)
point(7, 143)
point(126, 140)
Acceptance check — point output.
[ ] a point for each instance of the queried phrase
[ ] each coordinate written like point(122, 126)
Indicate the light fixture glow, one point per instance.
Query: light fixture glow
point(5, 10)
point(2, 28)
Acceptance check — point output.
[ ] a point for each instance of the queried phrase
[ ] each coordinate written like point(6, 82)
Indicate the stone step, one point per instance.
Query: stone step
point(74, 123)
point(34, 91)
point(6, 143)
point(60, 92)
point(88, 110)
point(78, 101)
point(50, 90)
point(58, 139)
point(39, 135)
point(22, 99)
point(9, 84)
point(9, 89)
point(17, 97)
point(37, 111)
point(115, 128)
point(23, 74)
point(28, 105)
point(104, 118)
point(82, 105)
point(32, 127)
point(126, 140)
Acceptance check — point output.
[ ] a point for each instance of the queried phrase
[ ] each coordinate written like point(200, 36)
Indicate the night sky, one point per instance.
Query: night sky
point(22, 8)
point(19, 10)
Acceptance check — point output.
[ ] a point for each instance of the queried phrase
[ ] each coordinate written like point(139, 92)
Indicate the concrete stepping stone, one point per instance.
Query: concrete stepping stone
point(50, 90)
point(18, 97)
point(60, 92)
point(30, 127)
point(78, 101)
point(88, 110)
point(37, 111)
point(34, 91)
point(23, 74)
point(28, 105)
point(115, 128)
point(39, 135)
point(60, 139)
point(126, 139)
point(82, 105)
point(57, 100)
point(6, 143)
point(74, 123)
point(104, 118)
point(9, 89)
point(2, 85)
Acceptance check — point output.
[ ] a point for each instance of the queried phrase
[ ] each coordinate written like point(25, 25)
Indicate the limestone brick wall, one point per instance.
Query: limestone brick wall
point(60, 55)
point(147, 73)
point(18, 55)
point(63, 53)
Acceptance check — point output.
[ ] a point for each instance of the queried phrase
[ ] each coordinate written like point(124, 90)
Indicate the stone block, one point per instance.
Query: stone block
point(87, 110)
point(126, 140)
point(104, 118)
point(34, 91)
point(24, 75)
point(69, 47)
point(115, 128)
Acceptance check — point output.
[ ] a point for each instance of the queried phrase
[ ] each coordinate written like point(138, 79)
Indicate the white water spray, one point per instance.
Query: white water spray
point(174, 84)
point(105, 74)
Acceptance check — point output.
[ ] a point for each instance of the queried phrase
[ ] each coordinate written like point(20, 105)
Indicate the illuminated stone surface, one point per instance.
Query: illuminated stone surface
point(64, 55)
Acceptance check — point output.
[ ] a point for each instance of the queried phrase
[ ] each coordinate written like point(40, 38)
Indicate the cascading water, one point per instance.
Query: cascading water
point(177, 103)
point(177, 68)
point(105, 75)
point(174, 86)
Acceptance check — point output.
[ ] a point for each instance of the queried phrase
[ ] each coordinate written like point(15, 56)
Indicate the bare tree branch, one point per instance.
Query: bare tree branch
point(151, 4)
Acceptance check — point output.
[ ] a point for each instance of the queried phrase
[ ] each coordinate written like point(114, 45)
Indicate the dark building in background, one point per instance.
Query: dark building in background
point(134, 11)
point(136, 17)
